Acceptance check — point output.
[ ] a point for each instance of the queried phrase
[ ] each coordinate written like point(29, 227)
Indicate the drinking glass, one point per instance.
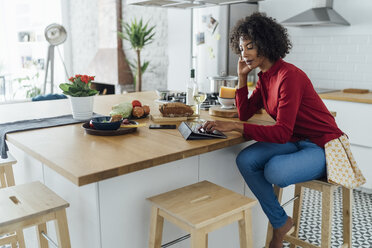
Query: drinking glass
point(199, 98)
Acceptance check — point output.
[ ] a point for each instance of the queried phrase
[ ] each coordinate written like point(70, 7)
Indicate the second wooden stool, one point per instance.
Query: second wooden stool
point(33, 204)
point(199, 209)
point(327, 190)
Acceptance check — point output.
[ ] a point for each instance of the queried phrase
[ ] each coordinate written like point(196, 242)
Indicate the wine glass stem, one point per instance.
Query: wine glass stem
point(198, 109)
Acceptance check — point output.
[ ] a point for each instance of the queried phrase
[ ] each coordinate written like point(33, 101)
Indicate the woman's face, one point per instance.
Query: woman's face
point(248, 51)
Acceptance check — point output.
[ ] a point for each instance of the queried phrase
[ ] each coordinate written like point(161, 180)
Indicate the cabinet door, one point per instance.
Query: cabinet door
point(363, 157)
point(354, 119)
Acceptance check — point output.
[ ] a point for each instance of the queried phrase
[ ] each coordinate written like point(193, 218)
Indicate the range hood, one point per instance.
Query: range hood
point(186, 4)
point(322, 14)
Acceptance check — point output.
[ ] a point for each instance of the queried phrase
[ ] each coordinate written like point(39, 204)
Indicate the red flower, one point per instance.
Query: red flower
point(77, 75)
point(91, 78)
point(85, 79)
point(71, 79)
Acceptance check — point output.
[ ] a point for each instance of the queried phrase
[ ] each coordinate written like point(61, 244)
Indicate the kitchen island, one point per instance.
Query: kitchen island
point(106, 179)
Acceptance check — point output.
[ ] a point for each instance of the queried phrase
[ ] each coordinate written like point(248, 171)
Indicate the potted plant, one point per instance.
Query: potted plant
point(138, 35)
point(81, 96)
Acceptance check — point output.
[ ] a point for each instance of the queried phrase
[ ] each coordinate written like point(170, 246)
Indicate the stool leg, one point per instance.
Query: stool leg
point(43, 243)
point(297, 206)
point(9, 175)
point(347, 201)
point(327, 213)
point(269, 235)
point(62, 229)
point(156, 228)
point(245, 230)
point(20, 239)
point(2, 177)
point(199, 239)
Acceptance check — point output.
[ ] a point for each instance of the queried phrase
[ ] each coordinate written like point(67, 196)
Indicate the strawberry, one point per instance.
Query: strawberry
point(136, 103)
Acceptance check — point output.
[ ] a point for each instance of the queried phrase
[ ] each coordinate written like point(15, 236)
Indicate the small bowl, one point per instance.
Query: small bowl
point(103, 123)
point(227, 103)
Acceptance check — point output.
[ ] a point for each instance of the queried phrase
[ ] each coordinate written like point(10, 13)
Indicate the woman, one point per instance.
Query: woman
point(292, 150)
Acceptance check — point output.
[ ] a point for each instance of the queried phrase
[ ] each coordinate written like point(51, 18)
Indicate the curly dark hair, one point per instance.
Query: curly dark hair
point(270, 38)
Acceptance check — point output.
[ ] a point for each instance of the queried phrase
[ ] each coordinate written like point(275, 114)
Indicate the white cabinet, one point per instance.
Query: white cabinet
point(355, 119)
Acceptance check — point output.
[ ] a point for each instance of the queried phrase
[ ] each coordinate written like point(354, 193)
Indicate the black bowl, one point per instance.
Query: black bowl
point(103, 123)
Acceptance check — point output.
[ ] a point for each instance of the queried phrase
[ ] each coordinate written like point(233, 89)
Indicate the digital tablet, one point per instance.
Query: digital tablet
point(191, 131)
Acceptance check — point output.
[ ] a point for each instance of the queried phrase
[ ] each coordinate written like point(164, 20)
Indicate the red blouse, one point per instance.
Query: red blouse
point(288, 96)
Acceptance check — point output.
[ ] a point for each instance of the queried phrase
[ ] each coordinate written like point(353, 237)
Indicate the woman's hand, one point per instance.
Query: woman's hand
point(243, 68)
point(223, 126)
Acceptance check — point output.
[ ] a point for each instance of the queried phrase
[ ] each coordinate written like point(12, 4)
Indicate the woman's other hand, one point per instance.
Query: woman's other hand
point(223, 126)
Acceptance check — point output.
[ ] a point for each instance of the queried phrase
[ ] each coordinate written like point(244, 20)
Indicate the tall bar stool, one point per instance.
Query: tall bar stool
point(33, 204)
point(7, 180)
point(327, 190)
point(199, 209)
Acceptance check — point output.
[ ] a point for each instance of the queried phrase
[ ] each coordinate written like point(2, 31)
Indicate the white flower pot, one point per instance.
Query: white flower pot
point(82, 107)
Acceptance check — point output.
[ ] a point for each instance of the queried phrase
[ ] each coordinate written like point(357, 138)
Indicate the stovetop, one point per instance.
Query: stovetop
point(181, 97)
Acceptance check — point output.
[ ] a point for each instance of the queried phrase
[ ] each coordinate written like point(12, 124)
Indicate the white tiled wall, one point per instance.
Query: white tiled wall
point(332, 56)
point(334, 61)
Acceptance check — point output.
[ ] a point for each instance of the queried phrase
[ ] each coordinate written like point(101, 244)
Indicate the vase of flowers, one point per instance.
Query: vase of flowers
point(81, 96)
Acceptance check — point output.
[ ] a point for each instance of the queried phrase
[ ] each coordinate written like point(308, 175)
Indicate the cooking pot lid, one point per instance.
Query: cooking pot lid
point(223, 78)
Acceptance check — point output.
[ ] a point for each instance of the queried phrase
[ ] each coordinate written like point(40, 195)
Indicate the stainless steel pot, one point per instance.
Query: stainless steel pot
point(218, 81)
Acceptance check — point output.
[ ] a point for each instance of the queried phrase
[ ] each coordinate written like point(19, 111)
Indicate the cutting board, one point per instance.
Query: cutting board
point(227, 113)
point(356, 91)
point(161, 119)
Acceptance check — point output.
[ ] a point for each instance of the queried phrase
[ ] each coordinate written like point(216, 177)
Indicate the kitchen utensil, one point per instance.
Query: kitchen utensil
point(218, 81)
point(356, 91)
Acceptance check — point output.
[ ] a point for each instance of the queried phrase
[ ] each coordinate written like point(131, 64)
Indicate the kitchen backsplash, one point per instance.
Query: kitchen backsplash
point(334, 61)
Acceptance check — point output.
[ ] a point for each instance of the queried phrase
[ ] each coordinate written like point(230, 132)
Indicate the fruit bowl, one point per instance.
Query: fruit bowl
point(103, 123)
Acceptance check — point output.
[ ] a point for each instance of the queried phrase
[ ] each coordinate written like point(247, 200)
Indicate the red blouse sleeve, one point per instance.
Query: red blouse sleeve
point(289, 100)
point(247, 107)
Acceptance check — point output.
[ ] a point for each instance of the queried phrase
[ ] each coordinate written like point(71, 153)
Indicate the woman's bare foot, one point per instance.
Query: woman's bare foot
point(279, 233)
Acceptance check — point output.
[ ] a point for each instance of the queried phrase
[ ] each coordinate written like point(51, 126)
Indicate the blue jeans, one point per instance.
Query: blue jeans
point(264, 164)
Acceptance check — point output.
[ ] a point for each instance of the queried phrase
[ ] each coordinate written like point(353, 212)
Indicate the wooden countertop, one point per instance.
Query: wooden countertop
point(341, 96)
point(84, 158)
point(349, 97)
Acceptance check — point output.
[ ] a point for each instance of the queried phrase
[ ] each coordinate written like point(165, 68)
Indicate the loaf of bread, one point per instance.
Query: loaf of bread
point(175, 109)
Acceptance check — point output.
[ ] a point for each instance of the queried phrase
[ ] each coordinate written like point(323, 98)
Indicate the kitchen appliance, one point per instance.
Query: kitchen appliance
point(218, 81)
point(210, 100)
point(212, 56)
point(322, 14)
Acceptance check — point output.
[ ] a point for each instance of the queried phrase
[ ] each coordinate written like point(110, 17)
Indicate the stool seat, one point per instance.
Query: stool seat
point(202, 203)
point(8, 161)
point(27, 201)
point(199, 209)
point(33, 204)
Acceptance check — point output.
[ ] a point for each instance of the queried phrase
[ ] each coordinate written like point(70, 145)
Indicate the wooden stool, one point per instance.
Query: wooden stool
point(199, 209)
point(7, 180)
point(33, 204)
point(327, 213)
point(6, 171)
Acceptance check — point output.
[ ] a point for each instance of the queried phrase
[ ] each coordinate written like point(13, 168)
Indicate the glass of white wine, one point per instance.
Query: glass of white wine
point(199, 98)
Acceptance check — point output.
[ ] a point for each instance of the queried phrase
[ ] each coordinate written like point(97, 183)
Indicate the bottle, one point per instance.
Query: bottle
point(190, 88)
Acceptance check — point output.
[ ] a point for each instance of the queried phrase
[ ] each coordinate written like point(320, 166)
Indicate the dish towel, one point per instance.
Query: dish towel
point(341, 166)
point(33, 124)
